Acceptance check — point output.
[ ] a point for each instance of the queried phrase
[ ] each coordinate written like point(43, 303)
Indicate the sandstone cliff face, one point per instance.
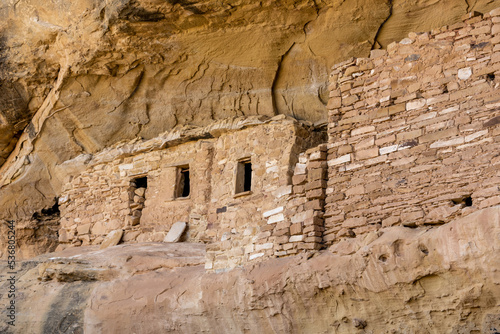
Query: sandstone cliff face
point(400, 280)
point(95, 72)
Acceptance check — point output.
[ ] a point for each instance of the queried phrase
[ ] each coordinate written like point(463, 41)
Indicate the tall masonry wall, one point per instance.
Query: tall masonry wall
point(414, 131)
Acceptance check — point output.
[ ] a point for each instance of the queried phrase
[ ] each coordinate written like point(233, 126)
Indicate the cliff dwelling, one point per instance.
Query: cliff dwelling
point(198, 180)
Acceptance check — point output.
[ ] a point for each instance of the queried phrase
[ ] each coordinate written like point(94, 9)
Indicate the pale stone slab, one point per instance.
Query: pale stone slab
point(254, 256)
point(415, 104)
point(296, 238)
point(272, 212)
point(276, 218)
point(364, 129)
point(125, 167)
point(175, 232)
point(260, 247)
point(388, 149)
point(340, 160)
point(446, 143)
point(476, 135)
point(464, 73)
point(112, 239)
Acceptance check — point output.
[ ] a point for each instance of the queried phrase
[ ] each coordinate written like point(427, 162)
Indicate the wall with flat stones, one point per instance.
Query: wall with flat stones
point(107, 197)
point(414, 131)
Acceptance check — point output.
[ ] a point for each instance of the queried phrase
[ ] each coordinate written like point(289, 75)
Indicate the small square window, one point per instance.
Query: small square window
point(183, 186)
point(244, 176)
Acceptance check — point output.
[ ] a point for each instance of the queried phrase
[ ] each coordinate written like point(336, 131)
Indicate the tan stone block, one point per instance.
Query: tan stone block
point(313, 228)
point(282, 225)
point(316, 204)
point(351, 99)
point(334, 102)
point(481, 30)
point(366, 154)
point(278, 233)
point(365, 143)
point(298, 189)
point(83, 229)
point(385, 140)
point(495, 29)
point(299, 179)
point(354, 222)
point(318, 184)
point(362, 130)
point(438, 135)
point(345, 149)
point(390, 221)
point(313, 221)
point(315, 193)
point(357, 190)
point(316, 174)
point(409, 135)
point(296, 229)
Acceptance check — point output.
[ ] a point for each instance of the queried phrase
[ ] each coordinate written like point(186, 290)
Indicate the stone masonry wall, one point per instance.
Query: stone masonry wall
point(297, 224)
point(414, 131)
point(107, 196)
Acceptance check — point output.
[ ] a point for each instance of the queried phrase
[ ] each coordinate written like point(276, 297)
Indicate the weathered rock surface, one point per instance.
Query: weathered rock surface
point(79, 77)
point(439, 280)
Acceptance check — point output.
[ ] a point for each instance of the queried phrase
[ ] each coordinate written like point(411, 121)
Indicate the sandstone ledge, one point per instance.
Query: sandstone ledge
point(440, 280)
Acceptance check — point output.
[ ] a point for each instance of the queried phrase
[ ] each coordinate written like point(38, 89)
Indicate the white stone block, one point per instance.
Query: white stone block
point(125, 167)
point(352, 166)
point(476, 135)
point(300, 169)
point(296, 238)
point(388, 149)
point(282, 191)
point(271, 163)
point(406, 41)
point(63, 199)
point(340, 160)
point(260, 247)
point(175, 232)
point(273, 169)
point(272, 212)
point(315, 156)
point(276, 219)
point(446, 143)
point(254, 256)
point(464, 73)
point(415, 104)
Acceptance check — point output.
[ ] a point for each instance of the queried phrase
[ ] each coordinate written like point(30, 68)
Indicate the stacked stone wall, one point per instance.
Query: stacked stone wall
point(414, 131)
point(297, 224)
point(105, 197)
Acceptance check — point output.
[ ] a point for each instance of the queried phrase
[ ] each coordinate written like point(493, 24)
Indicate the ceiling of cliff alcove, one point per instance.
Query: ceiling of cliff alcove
point(136, 68)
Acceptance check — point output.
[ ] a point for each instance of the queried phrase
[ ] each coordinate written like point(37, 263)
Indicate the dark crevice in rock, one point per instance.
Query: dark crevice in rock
point(377, 35)
point(276, 78)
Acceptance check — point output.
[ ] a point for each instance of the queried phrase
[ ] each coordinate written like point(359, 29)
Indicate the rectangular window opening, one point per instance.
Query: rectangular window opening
point(183, 182)
point(244, 176)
